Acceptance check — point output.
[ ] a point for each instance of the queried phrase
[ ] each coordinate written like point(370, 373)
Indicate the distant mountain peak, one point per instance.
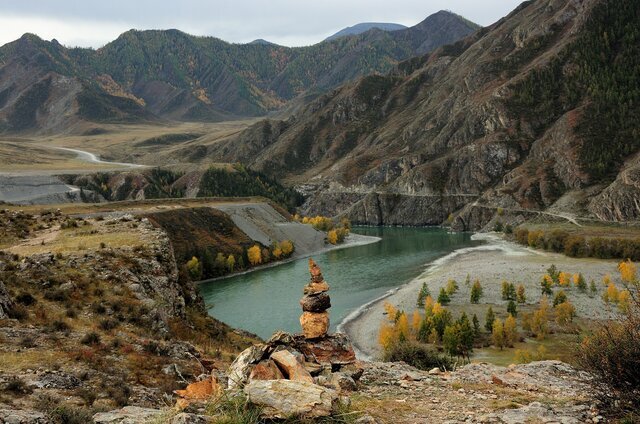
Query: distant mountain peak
point(263, 42)
point(364, 27)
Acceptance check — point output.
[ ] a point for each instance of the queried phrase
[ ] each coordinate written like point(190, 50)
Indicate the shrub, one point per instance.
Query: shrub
point(611, 354)
point(452, 287)
point(25, 299)
point(58, 326)
point(490, 319)
point(565, 312)
point(18, 312)
point(443, 297)
point(90, 339)
point(17, 386)
point(56, 295)
point(422, 295)
point(108, 324)
point(68, 414)
point(476, 292)
point(418, 355)
point(575, 246)
point(559, 298)
point(522, 235)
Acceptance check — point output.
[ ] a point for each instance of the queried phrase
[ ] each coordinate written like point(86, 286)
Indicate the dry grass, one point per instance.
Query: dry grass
point(10, 362)
point(79, 240)
point(136, 206)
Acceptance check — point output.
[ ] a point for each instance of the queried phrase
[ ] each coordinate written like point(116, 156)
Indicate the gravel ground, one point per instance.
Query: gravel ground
point(492, 263)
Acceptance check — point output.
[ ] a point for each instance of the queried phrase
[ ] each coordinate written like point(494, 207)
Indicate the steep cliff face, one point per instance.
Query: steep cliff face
point(502, 116)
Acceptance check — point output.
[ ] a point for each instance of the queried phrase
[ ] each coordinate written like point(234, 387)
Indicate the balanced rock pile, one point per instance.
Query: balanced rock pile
point(315, 302)
point(299, 374)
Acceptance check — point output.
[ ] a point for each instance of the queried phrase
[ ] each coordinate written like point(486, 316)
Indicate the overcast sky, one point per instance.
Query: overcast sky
point(91, 23)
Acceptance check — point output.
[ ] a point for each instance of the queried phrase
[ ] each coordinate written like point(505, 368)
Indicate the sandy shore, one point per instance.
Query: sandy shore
point(491, 263)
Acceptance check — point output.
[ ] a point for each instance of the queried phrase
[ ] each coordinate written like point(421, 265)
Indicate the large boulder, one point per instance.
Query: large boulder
point(286, 398)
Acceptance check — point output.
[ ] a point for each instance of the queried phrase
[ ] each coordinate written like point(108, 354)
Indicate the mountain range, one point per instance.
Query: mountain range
point(147, 75)
point(540, 111)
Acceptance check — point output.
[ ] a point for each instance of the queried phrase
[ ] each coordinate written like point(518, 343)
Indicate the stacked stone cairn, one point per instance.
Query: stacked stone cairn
point(299, 374)
point(315, 302)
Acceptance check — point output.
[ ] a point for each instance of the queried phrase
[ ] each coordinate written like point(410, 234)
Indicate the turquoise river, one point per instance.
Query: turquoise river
point(266, 300)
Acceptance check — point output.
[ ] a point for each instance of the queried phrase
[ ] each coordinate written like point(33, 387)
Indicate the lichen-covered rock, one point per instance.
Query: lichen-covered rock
point(241, 367)
point(16, 416)
point(128, 415)
point(285, 398)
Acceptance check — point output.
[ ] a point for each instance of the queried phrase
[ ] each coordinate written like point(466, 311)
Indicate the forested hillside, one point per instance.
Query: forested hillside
point(541, 105)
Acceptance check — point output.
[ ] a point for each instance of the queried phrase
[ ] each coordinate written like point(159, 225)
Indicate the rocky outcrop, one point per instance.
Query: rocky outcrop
point(15, 416)
point(547, 391)
point(5, 302)
point(620, 201)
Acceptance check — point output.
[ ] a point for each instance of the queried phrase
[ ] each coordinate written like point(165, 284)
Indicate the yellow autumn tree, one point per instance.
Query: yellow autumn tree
point(540, 319)
point(287, 247)
point(606, 280)
point(497, 335)
point(510, 331)
point(428, 306)
point(391, 311)
point(416, 319)
point(564, 279)
point(386, 335)
point(277, 252)
point(628, 271)
point(402, 327)
point(565, 312)
point(332, 237)
point(624, 301)
point(194, 269)
point(231, 263)
point(612, 293)
point(255, 255)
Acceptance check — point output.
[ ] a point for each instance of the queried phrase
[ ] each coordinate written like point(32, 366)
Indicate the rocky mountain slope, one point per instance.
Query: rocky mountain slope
point(364, 27)
point(173, 75)
point(538, 111)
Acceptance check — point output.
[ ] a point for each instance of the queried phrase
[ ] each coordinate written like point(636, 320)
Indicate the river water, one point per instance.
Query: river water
point(265, 301)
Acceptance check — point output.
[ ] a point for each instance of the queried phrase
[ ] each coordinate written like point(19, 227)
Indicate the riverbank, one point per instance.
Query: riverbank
point(491, 263)
point(352, 240)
